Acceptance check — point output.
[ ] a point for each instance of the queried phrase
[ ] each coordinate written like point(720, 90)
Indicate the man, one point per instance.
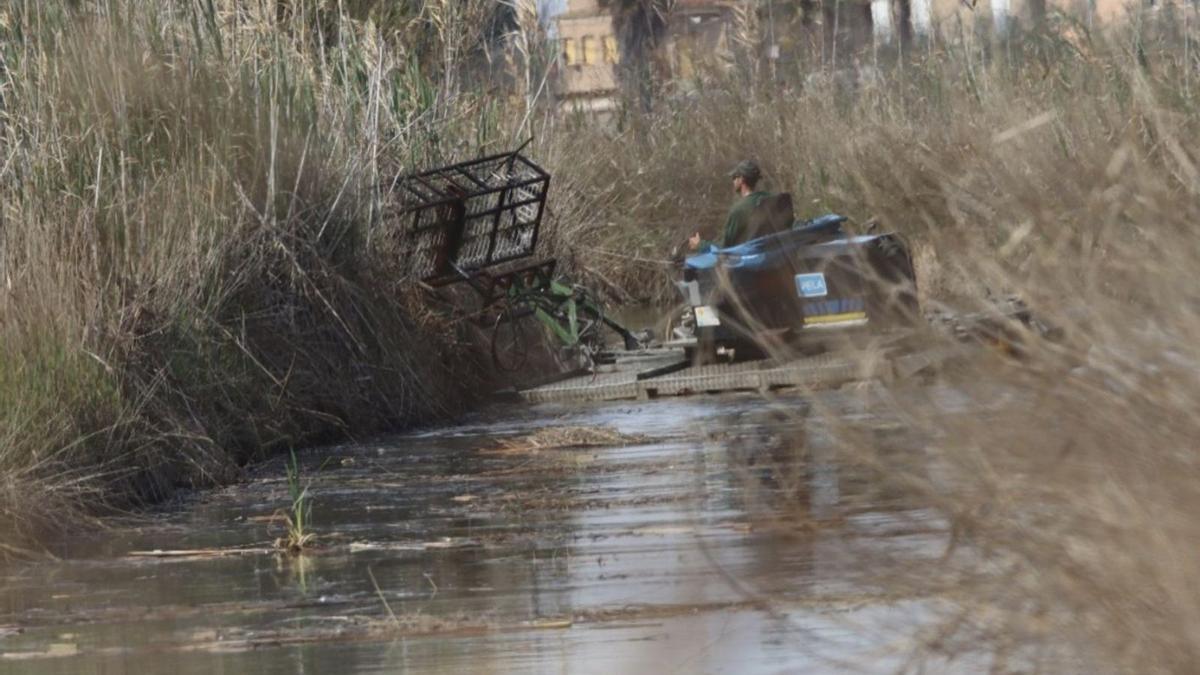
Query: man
point(745, 182)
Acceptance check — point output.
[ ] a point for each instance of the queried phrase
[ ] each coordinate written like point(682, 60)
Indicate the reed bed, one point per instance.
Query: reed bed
point(187, 275)
point(187, 279)
point(1062, 167)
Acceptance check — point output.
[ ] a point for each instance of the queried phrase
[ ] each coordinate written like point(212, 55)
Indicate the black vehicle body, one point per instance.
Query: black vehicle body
point(812, 276)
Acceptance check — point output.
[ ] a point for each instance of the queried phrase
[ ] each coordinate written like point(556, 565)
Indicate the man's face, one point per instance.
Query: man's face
point(738, 182)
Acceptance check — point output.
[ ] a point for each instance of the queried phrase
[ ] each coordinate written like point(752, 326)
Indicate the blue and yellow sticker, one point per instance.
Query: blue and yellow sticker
point(835, 310)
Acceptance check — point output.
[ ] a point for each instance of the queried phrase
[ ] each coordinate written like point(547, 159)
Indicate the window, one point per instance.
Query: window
point(570, 56)
point(587, 45)
point(611, 53)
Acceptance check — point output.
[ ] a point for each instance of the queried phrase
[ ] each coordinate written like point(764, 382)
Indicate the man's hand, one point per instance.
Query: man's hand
point(694, 242)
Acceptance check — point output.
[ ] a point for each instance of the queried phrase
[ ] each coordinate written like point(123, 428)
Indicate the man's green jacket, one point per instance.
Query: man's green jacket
point(735, 225)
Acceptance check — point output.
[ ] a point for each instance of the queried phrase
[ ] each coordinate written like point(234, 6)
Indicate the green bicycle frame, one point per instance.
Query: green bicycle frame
point(550, 299)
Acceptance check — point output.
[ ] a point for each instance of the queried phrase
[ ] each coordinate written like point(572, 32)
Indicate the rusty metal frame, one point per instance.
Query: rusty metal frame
point(452, 221)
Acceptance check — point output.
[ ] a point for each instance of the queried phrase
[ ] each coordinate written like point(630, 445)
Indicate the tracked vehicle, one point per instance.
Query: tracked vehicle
point(780, 288)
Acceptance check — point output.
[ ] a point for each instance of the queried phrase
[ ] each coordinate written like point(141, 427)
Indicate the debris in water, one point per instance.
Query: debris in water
point(558, 438)
point(361, 546)
point(451, 543)
point(547, 624)
point(443, 544)
point(276, 517)
point(53, 651)
point(199, 552)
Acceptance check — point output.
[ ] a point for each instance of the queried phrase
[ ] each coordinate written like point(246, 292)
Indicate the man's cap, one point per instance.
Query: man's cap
point(746, 168)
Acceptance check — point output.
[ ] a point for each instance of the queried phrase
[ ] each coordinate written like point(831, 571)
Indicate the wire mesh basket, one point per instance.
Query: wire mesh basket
point(466, 216)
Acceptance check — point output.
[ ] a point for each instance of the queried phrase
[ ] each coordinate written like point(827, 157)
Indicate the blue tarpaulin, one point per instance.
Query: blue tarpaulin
point(764, 251)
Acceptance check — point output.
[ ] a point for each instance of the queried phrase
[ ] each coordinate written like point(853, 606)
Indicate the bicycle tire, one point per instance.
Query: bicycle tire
point(513, 338)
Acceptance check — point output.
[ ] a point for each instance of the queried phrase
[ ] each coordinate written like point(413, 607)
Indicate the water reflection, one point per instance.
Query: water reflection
point(718, 545)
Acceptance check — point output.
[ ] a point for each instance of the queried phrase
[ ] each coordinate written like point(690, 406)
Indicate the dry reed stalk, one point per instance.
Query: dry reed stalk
point(1065, 472)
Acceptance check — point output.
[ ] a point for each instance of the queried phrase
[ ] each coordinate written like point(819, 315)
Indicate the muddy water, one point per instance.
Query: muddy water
point(723, 535)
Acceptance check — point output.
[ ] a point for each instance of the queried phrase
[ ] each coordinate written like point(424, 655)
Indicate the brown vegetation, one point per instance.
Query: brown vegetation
point(186, 280)
point(1005, 144)
point(186, 275)
point(1065, 171)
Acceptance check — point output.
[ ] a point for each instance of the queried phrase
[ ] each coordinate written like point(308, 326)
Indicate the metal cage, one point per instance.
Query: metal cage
point(466, 216)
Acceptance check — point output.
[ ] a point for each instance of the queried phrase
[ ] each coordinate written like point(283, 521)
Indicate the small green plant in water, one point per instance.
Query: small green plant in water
point(299, 515)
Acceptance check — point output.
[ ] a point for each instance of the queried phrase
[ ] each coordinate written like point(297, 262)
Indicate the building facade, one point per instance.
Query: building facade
point(589, 55)
point(693, 36)
point(995, 16)
point(697, 36)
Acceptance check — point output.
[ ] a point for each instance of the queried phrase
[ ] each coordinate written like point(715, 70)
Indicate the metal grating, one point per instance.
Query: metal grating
point(823, 370)
point(469, 215)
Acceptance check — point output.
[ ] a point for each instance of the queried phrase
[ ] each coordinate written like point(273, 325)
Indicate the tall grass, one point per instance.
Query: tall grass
point(187, 281)
point(1063, 167)
point(298, 515)
point(971, 137)
point(186, 275)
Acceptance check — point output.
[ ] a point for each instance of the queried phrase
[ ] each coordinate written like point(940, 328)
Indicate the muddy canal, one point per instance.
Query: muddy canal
point(713, 534)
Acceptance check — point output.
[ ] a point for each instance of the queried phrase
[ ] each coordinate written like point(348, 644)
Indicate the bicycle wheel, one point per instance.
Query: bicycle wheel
point(515, 335)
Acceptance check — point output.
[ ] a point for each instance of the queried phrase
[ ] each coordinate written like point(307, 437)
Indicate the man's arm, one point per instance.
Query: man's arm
point(733, 227)
point(698, 245)
point(728, 233)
